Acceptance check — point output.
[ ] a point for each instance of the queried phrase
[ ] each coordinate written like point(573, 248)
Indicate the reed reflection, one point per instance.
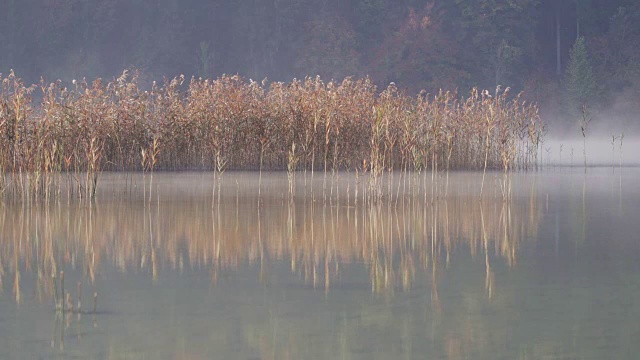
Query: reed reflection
point(394, 239)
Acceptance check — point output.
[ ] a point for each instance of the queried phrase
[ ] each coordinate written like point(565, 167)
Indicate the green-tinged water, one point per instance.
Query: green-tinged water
point(552, 273)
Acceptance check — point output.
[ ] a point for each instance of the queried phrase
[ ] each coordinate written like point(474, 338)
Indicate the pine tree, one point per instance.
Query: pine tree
point(581, 85)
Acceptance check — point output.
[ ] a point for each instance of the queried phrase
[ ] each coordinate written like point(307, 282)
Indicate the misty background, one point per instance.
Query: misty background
point(561, 53)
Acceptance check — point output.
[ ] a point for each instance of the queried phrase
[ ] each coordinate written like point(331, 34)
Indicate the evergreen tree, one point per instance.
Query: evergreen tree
point(496, 34)
point(581, 85)
point(622, 53)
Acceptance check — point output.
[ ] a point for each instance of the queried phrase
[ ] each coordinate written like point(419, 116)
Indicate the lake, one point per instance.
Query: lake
point(180, 271)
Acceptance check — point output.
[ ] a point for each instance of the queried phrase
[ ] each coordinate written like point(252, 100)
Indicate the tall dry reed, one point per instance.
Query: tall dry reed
point(74, 133)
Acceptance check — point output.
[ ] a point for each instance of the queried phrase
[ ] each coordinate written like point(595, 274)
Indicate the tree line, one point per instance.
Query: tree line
point(417, 44)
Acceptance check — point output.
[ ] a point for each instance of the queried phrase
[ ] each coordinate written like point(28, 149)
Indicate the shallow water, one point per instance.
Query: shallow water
point(551, 273)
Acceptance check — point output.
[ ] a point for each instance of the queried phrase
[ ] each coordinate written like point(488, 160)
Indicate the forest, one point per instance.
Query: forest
point(453, 45)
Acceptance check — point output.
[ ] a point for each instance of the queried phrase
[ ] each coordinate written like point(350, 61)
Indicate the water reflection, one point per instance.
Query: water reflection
point(550, 273)
point(393, 239)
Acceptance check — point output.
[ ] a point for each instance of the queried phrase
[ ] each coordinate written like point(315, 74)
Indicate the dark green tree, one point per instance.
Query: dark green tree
point(329, 50)
point(621, 53)
point(498, 36)
point(581, 86)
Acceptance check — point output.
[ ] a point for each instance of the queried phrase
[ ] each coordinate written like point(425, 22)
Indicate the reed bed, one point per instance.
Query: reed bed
point(72, 134)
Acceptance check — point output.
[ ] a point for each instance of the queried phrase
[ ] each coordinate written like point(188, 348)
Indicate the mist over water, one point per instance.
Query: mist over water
point(599, 148)
point(619, 120)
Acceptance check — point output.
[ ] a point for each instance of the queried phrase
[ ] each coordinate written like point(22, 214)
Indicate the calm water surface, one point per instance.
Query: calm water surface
point(553, 273)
